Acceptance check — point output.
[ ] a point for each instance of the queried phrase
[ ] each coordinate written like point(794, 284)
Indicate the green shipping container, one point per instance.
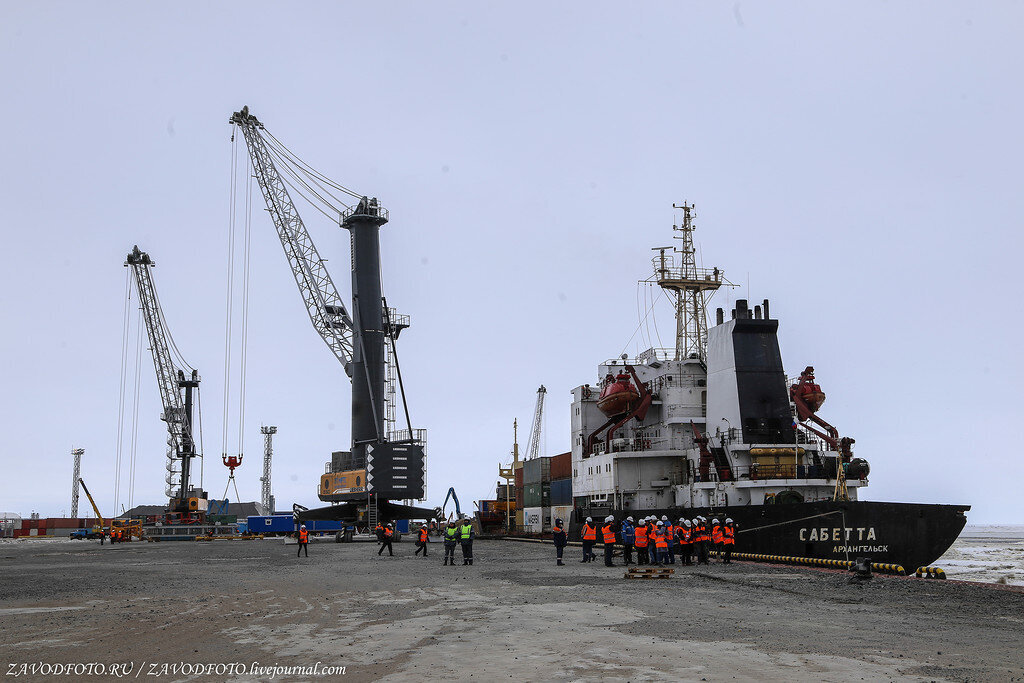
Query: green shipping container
point(537, 495)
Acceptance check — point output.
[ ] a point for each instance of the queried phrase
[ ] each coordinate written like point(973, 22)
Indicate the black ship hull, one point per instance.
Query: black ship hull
point(909, 534)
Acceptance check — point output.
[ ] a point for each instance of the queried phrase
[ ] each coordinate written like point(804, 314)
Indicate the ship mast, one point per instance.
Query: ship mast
point(676, 271)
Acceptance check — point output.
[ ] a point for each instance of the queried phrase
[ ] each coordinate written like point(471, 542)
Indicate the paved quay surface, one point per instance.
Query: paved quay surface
point(514, 615)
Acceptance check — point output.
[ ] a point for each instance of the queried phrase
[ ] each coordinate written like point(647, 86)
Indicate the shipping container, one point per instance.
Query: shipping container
point(537, 495)
point(537, 470)
point(505, 492)
point(519, 478)
point(519, 519)
point(534, 520)
point(561, 492)
point(324, 525)
point(561, 466)
point(271, 524)
point(402, 526)
point(562, 512)
point(520, 496)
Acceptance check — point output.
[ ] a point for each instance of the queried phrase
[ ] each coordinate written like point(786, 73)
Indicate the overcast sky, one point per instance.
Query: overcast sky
point(859, 166)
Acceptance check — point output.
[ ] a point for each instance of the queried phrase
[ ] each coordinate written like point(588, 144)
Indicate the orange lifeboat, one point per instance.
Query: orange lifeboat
point(618, 395)
point(808, 391)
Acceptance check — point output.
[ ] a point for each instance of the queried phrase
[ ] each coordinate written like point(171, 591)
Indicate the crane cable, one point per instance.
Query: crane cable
point(297, 171)
point(286, 171)
point(310, 169)
point(245, 309)
point(230, 294)
point(120, 401)
point(135, 411)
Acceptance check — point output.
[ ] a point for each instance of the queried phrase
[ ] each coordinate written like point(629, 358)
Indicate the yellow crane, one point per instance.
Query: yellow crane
point(102, 526)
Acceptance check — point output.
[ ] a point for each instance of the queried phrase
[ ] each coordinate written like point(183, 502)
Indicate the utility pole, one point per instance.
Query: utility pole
point(78, 453)
point(268, 454)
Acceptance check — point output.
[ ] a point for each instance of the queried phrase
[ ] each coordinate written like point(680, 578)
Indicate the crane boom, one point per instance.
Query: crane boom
point(93, 503)
point(177, 411)
point(533, 445)
point(324, 305)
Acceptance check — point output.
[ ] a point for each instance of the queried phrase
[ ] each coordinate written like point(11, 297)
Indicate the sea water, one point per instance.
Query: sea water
point(993, 553)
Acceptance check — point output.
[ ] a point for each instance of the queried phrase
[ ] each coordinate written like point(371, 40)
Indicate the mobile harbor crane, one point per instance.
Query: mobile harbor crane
point(179, 387)
point(383, 465)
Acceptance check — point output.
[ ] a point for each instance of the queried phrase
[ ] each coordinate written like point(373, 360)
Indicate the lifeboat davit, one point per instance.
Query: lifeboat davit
point(812, 395)
point(618, 396)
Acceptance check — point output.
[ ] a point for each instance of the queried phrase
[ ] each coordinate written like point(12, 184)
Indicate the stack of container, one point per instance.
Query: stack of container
point(561, 487)
point(519, 496)
point(537, 495)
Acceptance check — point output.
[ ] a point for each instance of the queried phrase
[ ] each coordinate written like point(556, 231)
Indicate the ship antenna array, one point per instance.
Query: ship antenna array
point(676, 270)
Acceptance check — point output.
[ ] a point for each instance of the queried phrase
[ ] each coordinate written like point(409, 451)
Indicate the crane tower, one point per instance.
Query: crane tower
point(268, 454)
point(78, 453)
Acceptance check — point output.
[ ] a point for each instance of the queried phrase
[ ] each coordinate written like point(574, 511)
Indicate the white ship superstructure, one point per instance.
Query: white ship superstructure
point(710, 423)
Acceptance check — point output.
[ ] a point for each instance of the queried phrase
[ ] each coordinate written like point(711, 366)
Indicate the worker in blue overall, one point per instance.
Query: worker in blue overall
point(628, 537)
point(560, 539)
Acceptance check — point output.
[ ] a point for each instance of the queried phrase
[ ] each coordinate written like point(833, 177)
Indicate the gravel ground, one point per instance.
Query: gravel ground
point(513, 615)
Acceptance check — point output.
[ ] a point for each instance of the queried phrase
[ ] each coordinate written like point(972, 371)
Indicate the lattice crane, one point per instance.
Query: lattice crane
point(176, 384)
point(324, 305)
point(533, 445)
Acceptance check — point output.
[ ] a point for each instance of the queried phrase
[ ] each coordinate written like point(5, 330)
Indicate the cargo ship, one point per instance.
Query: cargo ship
point(713, 427)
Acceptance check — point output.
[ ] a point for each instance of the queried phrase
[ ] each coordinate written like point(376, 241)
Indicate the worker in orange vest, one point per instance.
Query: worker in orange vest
point(386, 536)
point(728, 539)
point(421, 544)
point(661, 544)
point(640, 540)
point(670, 537)
point(684, 535)
point(303, 541)
point(716, 536)
point(589, 537)
point(700, 539)
point(608, 538)
point(379, 532)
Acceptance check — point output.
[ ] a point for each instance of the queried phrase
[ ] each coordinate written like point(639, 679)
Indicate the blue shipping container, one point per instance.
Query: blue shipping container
point(561, 492)
point(271, 524)
point(402, 526)
point(324, 525)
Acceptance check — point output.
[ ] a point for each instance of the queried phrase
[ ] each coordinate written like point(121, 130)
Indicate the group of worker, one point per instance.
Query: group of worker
point(457, 532)
point(655, 541)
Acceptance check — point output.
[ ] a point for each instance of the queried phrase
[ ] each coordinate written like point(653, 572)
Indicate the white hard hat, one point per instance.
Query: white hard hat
point(686, 522)
point(609, 518)
point(728, 520)
point(303, 526)
point(590, 519)
point(714, 521)
point(660, 523)
point(629, 519)
point(664, 518)
point(433, 520)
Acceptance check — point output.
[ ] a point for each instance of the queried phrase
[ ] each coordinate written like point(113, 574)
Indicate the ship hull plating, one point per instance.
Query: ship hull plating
point(909, 534)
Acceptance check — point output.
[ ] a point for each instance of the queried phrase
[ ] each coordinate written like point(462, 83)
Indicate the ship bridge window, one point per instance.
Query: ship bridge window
point(358, 483)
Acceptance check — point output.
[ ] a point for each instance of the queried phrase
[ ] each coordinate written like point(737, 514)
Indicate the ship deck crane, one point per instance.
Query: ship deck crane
point(178, 386)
